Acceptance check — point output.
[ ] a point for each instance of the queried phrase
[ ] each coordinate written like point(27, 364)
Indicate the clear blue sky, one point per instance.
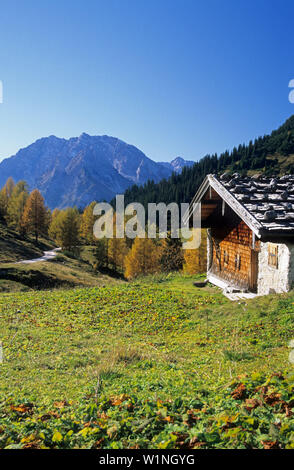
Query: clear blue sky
point(173, 77)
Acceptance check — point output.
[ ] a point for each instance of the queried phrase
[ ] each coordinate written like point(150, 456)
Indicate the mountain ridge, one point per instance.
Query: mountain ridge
point(78, 170)
point(177, 164)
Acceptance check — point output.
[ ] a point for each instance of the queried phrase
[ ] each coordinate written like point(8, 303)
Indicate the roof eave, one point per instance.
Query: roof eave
point(238, 208)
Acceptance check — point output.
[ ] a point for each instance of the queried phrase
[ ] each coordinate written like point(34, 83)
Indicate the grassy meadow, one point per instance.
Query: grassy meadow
point(152, 363)
point(13, 247)
point(64, 271)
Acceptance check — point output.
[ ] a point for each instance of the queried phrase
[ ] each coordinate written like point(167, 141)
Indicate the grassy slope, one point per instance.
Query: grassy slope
point(62, 271)
point(283, 164)
point(14, 248)
point(159, 339)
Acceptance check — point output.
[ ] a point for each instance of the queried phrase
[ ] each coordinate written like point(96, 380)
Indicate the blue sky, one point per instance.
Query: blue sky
point(173, 77)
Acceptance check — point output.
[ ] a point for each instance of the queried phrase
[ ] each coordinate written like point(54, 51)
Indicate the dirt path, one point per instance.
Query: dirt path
point(46, 257)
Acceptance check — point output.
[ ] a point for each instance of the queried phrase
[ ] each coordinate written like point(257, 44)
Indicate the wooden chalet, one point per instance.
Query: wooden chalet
point(250, 226)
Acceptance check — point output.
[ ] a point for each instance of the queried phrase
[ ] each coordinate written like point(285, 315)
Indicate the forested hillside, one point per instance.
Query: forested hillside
point(271, 154)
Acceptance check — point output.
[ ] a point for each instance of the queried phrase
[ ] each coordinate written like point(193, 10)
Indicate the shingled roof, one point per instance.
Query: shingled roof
point(265, 204)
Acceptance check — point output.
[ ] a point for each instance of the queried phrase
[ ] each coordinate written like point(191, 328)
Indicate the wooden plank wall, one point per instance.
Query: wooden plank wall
point(232, 253)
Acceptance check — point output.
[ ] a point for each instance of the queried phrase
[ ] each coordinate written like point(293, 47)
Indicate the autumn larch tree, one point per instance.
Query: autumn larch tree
point(16, 206)
point(143, 258)
point(65, 228)
point(5, 195)
point(87, 223)
point(117, 251)
point(34, 217)
point(196, 259)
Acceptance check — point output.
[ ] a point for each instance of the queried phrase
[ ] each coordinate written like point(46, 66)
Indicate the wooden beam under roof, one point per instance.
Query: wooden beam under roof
point(215, 190)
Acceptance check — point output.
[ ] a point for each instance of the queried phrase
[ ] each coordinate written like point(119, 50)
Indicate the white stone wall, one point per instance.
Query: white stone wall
point(276, 280)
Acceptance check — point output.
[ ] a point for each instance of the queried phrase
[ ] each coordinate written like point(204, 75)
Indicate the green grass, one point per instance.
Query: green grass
point(62, 271)
point(14, 247)
point(122, 354)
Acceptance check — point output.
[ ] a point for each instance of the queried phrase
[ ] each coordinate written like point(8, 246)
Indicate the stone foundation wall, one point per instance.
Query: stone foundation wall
point(280, 279)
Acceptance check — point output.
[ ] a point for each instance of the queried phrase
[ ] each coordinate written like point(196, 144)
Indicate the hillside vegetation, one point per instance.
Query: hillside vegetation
point(24, 215)
point(91, 361)
point(154, 363)
point(271, 154)
point(14, 247)
point(65, 271)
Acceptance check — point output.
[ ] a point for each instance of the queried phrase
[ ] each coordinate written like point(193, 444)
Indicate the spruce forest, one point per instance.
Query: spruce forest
point(271, 155)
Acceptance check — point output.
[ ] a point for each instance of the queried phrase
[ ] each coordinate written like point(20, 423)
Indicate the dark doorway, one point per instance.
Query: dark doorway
point(254, 270)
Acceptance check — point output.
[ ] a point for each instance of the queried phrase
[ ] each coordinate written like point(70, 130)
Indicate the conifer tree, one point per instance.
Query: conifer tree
point(34, 219)
point(172, 254)
point(101, 254)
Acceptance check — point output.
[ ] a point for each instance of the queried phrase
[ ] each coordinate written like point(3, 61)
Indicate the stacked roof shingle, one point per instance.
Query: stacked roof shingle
point(269, 200)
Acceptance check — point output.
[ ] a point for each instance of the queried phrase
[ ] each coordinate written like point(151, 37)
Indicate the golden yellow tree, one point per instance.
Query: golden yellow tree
point(34, 218)
point(87, 223)
point(55, 213)
point(143, 258)
point(16, 205)
point(196, 259)
point(65, 228)
point(117, 251)
point(5, 195)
